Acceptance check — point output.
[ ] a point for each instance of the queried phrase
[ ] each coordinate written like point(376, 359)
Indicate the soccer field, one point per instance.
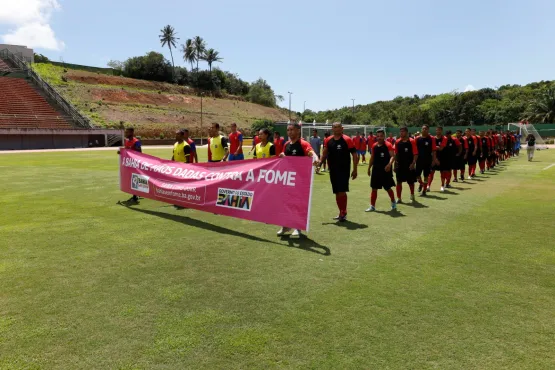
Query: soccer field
point(462, 279)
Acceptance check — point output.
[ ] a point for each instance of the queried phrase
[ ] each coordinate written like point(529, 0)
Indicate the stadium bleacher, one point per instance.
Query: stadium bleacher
point(21, 106)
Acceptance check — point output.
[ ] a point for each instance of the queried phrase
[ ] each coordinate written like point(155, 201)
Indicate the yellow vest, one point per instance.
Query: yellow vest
point(216, 148)
point(179, 152)
point(263, 151)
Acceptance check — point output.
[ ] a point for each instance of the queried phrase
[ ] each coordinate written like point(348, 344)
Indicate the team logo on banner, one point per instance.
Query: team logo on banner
point(236, 199)
point(140, 183)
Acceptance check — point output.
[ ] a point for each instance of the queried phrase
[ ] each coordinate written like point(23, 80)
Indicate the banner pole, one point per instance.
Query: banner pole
point(310, 198)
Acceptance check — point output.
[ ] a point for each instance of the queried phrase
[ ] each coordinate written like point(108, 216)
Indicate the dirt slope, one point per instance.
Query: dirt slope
point(153, 108)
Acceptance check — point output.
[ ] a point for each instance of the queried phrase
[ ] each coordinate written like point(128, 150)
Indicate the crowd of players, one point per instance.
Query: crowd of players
point(413, 159)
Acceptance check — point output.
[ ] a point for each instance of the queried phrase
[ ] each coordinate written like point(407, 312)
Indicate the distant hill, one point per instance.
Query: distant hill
point(534, 102)
point(155, 109)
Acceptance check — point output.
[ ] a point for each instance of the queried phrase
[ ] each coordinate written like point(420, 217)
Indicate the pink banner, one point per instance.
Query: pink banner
point(274, 191)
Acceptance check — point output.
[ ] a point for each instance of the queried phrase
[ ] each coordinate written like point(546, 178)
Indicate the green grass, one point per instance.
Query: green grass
point(465, 280)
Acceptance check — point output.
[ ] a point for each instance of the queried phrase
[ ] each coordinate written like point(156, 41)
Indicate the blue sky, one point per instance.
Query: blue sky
point(325, 52)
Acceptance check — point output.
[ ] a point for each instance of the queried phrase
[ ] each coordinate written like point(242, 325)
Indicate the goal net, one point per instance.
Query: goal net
point(349, 130)
point(525, 129)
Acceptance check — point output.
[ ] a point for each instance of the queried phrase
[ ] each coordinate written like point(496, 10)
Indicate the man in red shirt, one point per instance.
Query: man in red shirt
point(255, 141)
point(279, 143)
point(382, 160)
point(426, 145)
point(235, 144)
point(191, 144)
point(448, 159)
point(460, 160)
point(296, 146)
point(370, 141)
point(132, 143)
point(391, 139)
point(472, 153)
point(441, 143)
point(338, 150)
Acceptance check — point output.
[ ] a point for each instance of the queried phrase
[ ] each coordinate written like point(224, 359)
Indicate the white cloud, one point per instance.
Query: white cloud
point(31, 19)
point(469, 88)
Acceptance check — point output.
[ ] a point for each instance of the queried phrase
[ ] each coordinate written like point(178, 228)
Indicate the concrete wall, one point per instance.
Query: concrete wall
point(20, 50)
point(23, 142)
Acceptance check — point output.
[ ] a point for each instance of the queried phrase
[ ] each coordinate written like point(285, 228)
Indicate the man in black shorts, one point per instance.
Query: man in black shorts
point(338, 150)
point(296, 146)
point(406, 155)
point(451, 155)
point(441, 142)
point(460, 161)
point(426, 158)
point(471, 153)
point(381, 160)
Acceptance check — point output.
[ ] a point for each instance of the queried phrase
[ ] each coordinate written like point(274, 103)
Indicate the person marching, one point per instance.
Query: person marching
point(406, 155)
point(484, 151)
point(426, 145)
point(235, 144)
point(296, 146)
point(279, 143)
point(217, 145)
point(182, 152)
point(531, 147)
point(441, 142)
point(338, 150)
point(191, 144)
point(132, 143)
point(472, 153)
point(452, 151)
point(316, 144)
point(460, 160)
point(381, 160)
point(264, 149)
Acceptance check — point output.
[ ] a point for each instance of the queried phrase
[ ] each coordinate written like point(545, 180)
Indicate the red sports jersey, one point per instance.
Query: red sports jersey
point(370, 141)
point(300, 148)
point(390, 140)
point(280, 145)
point(236, 142)
point(132, 144)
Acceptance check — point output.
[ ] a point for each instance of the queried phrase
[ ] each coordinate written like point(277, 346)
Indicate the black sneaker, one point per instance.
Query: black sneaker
point(448, 186)
point(423, 194)
point(455, 180)
point(420, 189)
point(340, 218)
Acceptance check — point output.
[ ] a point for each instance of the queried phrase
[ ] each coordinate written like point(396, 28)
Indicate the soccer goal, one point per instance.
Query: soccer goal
point(525, 129)
point(349, 130)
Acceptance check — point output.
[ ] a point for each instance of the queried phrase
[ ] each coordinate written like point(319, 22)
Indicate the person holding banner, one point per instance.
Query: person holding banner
point(217, 145)
point(296, 146)
point(264, 149)
point(338, 150)
point(132, 143)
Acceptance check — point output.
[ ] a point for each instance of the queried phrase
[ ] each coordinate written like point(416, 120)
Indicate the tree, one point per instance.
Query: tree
point(261, 93)
point(210, 56)
point(39, 58)
point(153, 67)
point(199, 47)
point(189, 54)
point(542, 108)
point(168, 37)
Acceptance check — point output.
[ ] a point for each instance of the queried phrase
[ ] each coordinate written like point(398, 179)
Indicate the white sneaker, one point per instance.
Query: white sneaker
point(442, 189)
point(399, 201)
point(469, 178)
point(282, 231)
point(412, 198)
point(370, 209)
point(296, 234)
point(428, 189)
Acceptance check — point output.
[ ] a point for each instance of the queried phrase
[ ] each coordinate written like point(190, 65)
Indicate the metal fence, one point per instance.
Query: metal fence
point(67, 107)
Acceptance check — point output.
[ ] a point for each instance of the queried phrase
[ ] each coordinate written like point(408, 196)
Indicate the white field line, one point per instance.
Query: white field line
point(548, 167)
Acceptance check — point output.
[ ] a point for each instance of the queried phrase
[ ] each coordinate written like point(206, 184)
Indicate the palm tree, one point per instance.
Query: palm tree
point(168, 37)
point(189, 54)
point(200, 47)
point(542, 108)
point(211, 56)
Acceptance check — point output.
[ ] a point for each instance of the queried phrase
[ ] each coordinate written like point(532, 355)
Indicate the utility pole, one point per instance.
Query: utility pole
point(201, 119)
point(290, 93)
point(353, 106)
point(304, 106)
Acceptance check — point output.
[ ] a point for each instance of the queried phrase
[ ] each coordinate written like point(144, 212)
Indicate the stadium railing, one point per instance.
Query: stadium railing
point(67, 107)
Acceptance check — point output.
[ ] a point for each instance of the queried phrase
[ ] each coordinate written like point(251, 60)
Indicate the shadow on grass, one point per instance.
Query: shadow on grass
point(307, 244)
point(415, 204)
point(394, 214)
point(349, 225)
point(477, 179)
point(430, 196)
point(457, 188)
point(304, 243)
point(450, 192)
